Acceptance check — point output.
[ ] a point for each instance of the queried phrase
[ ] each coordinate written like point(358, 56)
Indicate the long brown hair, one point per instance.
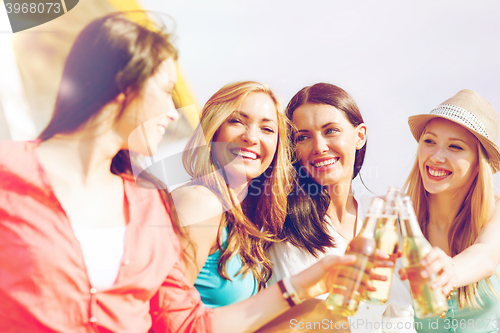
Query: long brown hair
point(261, 215)
point(475, 212)
point(308, 202)
point(111, 55)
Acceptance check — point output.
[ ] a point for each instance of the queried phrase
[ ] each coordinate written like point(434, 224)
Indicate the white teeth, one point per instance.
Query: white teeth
point(437, 173)
point(324, 163)
point(248, 154)
point(161, 129)
point(245, 154)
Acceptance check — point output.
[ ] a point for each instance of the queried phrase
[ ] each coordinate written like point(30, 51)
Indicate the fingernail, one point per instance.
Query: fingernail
point(424, 273)
point(423, 262)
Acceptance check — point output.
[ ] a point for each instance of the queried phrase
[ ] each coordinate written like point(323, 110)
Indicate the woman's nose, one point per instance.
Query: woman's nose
point(438, 155)
point(250, 135)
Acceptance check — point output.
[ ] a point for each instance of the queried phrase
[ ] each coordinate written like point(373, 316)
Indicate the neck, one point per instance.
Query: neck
point(238, 185)
point(440, 217)
point(240, 192)
point(341, 201)
point(85, 157)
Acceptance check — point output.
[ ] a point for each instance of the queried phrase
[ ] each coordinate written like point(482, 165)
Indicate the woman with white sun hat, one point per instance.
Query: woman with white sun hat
point(451, 186)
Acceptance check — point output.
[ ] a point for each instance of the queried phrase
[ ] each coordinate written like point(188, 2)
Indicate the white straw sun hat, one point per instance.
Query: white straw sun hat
point(472, 111)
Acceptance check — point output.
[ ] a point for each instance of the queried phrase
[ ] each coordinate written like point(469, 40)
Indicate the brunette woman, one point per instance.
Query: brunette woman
point(83, 248)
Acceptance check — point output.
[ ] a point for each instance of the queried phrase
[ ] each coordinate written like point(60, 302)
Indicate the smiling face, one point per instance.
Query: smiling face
point(447, 157)
point(147, 116)
point(326, 142)
point(252, 136)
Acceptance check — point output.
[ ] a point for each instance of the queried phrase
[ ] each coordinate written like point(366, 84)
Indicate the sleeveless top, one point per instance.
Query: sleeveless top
point(483, 320)
point(215, 291)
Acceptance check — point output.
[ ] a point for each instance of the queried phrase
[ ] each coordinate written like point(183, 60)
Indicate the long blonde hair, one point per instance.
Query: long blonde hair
point(254, 224)
point(475, 212)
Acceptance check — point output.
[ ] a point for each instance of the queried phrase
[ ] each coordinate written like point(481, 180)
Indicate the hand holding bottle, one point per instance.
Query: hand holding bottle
point(439, 263)
point(349, 284)
point(312, 281)
point(427, 302)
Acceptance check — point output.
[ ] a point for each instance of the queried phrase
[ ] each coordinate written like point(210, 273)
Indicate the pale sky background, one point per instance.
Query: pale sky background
point(396, 58)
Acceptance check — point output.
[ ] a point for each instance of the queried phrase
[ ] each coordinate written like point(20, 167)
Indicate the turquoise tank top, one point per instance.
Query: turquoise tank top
point(484, 320)
point(216, 291)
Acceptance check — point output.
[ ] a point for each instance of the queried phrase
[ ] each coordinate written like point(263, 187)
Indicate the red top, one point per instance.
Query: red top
point(44, 285)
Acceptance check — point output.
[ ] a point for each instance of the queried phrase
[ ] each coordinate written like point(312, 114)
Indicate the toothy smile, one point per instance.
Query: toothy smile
point(438, 172)
point(244, 153)
point(324, 163)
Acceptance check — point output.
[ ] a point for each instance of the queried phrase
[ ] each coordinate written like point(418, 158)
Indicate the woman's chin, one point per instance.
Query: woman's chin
point(144, 150)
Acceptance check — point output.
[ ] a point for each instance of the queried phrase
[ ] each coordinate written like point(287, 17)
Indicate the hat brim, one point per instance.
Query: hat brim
point(417, 125)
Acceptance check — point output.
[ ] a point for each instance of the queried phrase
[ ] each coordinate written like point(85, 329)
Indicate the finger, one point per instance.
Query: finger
point(440, 281)
point(381, 255)
point(443, 279)
point(331, 260)
point(402, 274)
point(448, 287)
point(375, 276)
point(434, 254)
point(370, 287)
point(385, 263)
point(436, 267)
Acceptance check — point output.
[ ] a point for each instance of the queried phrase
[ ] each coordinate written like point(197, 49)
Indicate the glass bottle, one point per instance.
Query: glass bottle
point(349, 282)
point(386, 240)
point(426, 302)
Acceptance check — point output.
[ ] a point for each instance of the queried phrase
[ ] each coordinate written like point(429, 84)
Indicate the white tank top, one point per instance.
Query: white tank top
point(102, 253)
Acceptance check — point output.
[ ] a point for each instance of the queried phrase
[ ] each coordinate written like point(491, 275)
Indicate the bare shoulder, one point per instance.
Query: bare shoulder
point(497, 200)
point(197, 204)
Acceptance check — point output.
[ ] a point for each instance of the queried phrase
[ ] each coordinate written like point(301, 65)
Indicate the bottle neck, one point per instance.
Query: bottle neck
point(369, 226)
point(410, 228)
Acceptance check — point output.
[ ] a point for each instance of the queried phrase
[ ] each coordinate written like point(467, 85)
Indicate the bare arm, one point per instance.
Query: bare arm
point(200, 212)
point(251, 314)
point(480, 260)
point(477, 262)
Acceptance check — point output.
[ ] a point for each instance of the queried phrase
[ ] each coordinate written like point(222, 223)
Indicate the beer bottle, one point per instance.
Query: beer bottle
point(426, 302)
point(349, 282)
point(386, 240)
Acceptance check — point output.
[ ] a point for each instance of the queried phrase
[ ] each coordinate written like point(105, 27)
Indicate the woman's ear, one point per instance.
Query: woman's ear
point(361, 136)
point(120, 98)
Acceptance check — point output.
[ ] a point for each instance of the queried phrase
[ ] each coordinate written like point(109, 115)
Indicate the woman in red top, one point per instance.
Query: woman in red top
point(74, 186)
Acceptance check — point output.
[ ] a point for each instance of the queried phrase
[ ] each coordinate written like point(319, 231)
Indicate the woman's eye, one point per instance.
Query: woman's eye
point(268, 130)
point(331, 131)
point(300, 138)
point(456, 147)
point(429, 141)
point(234, 121)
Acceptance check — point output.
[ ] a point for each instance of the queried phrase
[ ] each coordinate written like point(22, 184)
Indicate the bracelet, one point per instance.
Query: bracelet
point(285, 294)
point(291, 290)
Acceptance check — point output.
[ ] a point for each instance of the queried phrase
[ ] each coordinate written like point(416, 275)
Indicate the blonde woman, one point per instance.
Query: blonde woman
point(239, 163)
point(451, 186)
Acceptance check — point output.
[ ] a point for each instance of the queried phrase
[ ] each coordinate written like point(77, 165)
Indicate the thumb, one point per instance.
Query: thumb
point(332, 260)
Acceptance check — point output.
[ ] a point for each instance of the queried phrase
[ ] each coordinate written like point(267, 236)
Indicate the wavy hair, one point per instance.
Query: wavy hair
point(475, 212)
point(305, 226)
point(254, 224)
